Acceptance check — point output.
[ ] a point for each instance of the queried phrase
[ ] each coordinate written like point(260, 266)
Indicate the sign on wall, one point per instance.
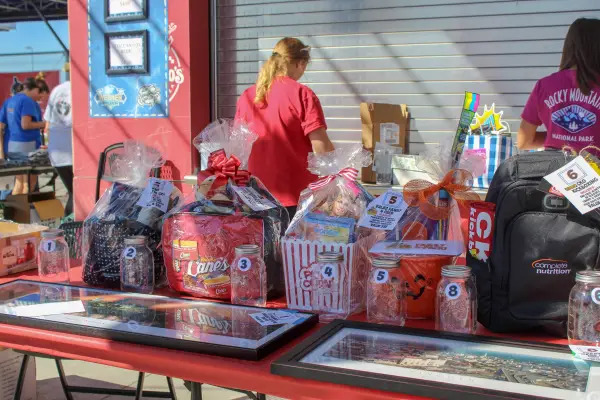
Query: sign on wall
point(128, 58)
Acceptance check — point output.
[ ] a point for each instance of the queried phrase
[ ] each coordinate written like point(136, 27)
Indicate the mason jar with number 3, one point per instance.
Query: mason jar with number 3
point(456, 301)
point(249, 277)
point(330, 295)
point(53, 256)
point(386, 291)
point(137, 266)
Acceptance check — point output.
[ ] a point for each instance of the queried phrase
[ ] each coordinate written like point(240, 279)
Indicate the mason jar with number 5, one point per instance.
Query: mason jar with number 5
point(456, 301)
point(137, 266)
point(53, 256)
point(249, 277)
point(584, 316)
point(330, 295)
point(386, 291)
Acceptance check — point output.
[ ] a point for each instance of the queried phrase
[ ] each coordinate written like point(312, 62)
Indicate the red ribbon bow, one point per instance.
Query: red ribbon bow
point(223, 169)
point(349, 173)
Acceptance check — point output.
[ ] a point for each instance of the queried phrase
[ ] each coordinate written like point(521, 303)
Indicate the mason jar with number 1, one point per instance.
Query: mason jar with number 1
point(249, 277)
point(53, 256)
point(330, 295)
point(456, 301)
point(386, 291)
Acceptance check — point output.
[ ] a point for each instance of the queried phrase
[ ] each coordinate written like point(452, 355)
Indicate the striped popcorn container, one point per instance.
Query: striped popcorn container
point(299, 255)
point(497, 149)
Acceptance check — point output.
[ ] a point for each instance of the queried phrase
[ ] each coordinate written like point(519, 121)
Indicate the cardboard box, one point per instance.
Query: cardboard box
point(387, 123)
point(18, 247)
point(34, 208)
point(10, 365)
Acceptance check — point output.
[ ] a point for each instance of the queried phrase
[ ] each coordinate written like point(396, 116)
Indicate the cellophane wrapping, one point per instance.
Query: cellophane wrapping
point(229, 208)
point(126, 209)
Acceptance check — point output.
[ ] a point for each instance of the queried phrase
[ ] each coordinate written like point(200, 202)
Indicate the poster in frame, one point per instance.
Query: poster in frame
point(201, 326)
point(125, 10)
point(126, 53)
point(438, 364)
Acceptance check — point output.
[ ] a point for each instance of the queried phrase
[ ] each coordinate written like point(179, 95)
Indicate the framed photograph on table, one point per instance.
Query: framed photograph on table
point(208, 327)
point(125, 10)
point(439, 365)
point(126, 52)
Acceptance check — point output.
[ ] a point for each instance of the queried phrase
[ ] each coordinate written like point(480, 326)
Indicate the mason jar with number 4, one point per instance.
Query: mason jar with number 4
point(249, 277)
point(53, 256)
point(386, 291)
point(330, 295)
point(137, 266)
point(456, 302)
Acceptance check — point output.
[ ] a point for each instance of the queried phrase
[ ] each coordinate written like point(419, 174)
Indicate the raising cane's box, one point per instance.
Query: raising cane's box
point(18, 246)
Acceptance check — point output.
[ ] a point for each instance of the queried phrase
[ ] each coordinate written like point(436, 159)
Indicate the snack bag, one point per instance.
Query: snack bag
point(133, 205)
point(428, 235)
point(229, 208)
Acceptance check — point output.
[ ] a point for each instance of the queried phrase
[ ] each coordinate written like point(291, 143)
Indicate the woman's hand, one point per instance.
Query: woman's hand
point(320, 141)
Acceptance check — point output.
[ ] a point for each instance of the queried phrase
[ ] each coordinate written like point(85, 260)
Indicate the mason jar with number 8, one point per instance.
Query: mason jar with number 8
point(248, 277)
point(386, 291)
point(53, 256)
point(330, 296)
point(456, 301)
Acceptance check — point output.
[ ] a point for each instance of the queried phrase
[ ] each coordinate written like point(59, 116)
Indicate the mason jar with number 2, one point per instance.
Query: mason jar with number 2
point(53, 256)
point(248, 277)
point(330, 296)
point(137, 266)
point(456, 301)
point(386, 302)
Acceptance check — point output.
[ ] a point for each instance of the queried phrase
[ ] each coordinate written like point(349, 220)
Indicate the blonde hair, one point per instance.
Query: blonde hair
point(285, 52)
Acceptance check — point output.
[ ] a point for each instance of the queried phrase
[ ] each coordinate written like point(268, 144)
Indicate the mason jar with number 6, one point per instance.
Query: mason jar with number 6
point(330, 295)
point(249, 277)
point(53, 256)
point(386, 291)
point(137, 266)
point(456, 301)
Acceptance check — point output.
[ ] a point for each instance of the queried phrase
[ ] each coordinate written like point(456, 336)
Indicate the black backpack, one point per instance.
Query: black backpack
point(539, 243)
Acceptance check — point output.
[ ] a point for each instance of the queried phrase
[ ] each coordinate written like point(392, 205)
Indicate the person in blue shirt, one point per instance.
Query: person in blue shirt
point(17, 87)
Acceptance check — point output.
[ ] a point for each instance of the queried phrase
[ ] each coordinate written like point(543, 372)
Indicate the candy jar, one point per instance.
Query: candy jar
point(248, 277)
point(137, 266)
point(456, 301)
point(584, 316)
point(386, 301)
point(53, 256)
point(330, 296)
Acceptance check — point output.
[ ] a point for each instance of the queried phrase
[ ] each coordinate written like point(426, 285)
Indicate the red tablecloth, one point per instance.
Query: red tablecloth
point(214, 370)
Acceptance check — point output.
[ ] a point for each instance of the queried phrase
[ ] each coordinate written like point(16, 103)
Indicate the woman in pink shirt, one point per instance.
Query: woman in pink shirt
point(568, 101)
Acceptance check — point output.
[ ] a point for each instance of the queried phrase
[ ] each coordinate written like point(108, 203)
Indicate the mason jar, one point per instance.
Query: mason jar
point(584, 316)
point(137, 266)
point(249, 277)
point(456, 300)
point(386, 291)
point(330, 295)
point(53, 256)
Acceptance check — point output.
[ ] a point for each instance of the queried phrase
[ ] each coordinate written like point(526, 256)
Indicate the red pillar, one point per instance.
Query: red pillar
point(189, 23)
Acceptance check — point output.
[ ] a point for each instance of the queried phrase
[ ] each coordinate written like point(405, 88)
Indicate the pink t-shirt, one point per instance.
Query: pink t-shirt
point(570, 116)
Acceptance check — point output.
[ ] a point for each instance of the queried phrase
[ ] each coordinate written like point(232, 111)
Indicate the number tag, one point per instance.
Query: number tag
point(244, 264)
point(596, 295)
point(129, 252)
point(329, 271)
point(452, 291)
point(381, 275)
point(48, 246)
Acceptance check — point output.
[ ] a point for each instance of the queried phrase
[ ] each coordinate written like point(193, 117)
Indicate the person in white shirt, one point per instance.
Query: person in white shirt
point(60, 148)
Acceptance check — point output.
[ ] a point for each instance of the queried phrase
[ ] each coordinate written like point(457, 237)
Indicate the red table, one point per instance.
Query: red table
point(220, 371)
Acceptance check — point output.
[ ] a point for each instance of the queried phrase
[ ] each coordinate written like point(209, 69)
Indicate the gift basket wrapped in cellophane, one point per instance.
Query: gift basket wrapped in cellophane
point(429, 235)
point(229, 208)
point(132, 206)
point(327, 222)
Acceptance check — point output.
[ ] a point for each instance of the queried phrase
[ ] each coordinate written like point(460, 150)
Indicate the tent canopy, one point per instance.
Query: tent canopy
point(25, 10)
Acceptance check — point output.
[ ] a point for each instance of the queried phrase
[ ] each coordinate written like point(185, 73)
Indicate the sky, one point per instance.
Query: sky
point(37, 36)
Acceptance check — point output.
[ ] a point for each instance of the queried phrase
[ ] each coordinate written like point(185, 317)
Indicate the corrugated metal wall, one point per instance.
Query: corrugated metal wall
point(424, 53)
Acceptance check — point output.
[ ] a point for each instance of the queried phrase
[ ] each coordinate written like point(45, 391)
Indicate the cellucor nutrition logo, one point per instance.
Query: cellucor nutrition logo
point(549, 266)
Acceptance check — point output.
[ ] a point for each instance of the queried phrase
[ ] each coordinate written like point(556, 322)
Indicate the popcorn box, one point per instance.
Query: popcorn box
point(299, 255)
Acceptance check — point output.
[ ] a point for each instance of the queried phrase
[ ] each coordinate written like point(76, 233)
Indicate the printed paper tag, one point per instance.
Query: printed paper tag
point(268, 318)
point(579, 183)
point(329, 271)
point(389, 133)
point(40, 310)
point(156, 194)
point(381, 276)
point(48, 246)
point(244, 264)
point(384, 212)
point(452, 291)
point(588, 353)
point(596, 295)
point(129, 253)
point(253, 199)
point(433, 247)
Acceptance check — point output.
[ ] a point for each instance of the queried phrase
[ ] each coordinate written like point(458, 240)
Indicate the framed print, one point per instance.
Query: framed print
point(191, 325)
point(439, 365)
point(126, 52)
point(125, 10)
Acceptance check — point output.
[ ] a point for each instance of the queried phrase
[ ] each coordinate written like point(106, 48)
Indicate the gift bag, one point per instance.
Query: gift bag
point(495, 148)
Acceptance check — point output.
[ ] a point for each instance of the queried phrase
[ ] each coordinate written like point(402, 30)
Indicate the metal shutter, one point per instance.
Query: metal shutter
point(424, 53)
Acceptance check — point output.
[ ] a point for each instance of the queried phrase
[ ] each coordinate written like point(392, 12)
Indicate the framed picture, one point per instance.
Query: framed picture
point(126, 52)
point(191, 325)
point(125, 10)
point(439, 365)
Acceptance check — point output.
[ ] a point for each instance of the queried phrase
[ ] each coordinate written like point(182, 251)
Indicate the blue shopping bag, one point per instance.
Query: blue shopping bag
point(497, 149)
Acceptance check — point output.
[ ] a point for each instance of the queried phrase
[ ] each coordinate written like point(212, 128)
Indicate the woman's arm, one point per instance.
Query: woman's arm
point(320, 141)
point(27, 123)
point(529, 138)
